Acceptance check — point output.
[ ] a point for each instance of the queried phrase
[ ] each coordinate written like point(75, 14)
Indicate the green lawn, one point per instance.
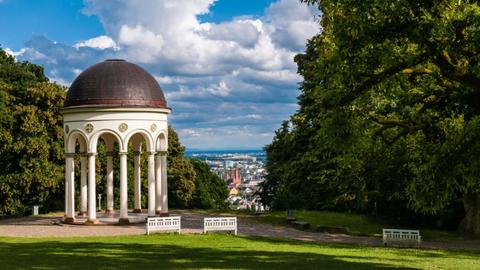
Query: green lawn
point(358, 224)
point(169, 251)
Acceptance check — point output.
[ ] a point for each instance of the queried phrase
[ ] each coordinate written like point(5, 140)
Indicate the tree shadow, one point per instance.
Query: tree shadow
point(152, 254)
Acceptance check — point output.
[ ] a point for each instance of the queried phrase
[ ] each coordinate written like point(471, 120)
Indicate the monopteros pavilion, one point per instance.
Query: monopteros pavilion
point(120, 104)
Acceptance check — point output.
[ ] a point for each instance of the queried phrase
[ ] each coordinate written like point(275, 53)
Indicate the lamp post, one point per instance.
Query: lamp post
point(99, 202)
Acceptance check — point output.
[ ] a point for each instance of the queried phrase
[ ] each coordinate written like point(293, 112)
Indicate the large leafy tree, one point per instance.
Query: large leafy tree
point(31, 136)
point(390, 106)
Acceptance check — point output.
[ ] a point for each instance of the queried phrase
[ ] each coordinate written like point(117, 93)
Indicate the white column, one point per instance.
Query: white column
point(83, 185)
point(137, 182)
point(110, 210)
point(92, 207)
point(70, 188)
point(158, 184)
point(67, 175)
point(164, 184)
point(151, 184)
point(123, 189)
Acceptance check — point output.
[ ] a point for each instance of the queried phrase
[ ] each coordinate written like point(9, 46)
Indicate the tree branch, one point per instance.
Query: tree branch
point(457, 71)
point(378, 78)
point(406, 126)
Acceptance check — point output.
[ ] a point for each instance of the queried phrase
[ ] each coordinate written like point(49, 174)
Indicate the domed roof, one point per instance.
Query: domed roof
point(115, 83)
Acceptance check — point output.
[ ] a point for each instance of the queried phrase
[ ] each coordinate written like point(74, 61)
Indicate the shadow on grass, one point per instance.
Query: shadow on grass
point(152, 254)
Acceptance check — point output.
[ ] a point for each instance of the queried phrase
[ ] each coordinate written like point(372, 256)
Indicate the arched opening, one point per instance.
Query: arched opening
point(137, 146)
point(141, 155)
point(107, 169)
point(103, 146)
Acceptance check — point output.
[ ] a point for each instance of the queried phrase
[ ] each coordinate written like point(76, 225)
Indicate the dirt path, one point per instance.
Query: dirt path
point(193, 223)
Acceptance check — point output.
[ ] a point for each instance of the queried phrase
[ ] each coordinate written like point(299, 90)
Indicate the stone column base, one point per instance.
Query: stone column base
point(69, 220)
point(91, 222)
point(110, 212)
point(82, 214)
point(123, 221)
point(162, 214)
point(138, 211)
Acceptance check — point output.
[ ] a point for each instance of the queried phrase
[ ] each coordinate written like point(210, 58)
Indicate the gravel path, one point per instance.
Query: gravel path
point(193, 223)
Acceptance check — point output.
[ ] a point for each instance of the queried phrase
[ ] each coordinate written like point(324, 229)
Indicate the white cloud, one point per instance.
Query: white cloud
point(220, 89)
point(239, 73)
point(254, 116)
point(100, 42)
point(143, 44)
point(10, 52)
point(169, 79)
point(244, 32)
point(293, 23)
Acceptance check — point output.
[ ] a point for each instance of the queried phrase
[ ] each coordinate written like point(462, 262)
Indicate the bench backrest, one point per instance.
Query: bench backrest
point(163, 223)
point(401, 234)
point(224, 222)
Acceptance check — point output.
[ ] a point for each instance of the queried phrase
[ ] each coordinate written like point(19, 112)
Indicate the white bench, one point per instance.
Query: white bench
point(401, 236)
point(163, 224)
point(220, 224)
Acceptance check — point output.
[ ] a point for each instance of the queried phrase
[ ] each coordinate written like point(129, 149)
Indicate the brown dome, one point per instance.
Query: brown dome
point(115, 83)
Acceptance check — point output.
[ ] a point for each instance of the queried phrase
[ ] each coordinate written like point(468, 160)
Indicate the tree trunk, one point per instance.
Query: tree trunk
point(471, 222)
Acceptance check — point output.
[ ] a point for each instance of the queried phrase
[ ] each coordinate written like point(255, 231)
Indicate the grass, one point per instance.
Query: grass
point(358, 224)
point(168, 251)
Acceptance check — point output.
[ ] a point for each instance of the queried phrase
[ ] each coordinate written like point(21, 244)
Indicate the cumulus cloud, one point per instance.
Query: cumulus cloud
point(244, 32)
point(101, 42)
point(236, 76)
point(293, 23)
point(13, 53)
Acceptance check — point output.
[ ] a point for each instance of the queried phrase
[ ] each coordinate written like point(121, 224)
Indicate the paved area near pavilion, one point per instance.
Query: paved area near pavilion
point(193, 223)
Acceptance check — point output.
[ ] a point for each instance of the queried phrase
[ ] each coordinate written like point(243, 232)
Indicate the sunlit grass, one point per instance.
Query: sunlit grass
point(168, 251)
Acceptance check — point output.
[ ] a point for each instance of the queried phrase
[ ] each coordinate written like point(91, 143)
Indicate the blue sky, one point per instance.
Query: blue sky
point(226, 66)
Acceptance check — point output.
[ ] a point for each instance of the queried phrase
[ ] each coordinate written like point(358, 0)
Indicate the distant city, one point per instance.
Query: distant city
point(242, 171)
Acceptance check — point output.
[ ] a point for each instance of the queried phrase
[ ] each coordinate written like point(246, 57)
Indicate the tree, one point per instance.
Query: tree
point(210, 190)
point(181, 173)
point(393, 80)
point(31, 136)
point(277, 165)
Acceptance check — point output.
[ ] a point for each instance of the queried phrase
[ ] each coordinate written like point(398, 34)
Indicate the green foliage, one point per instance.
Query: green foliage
point(389, 111)
point(210, 190)
point(181, 173)
point(31, 136)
